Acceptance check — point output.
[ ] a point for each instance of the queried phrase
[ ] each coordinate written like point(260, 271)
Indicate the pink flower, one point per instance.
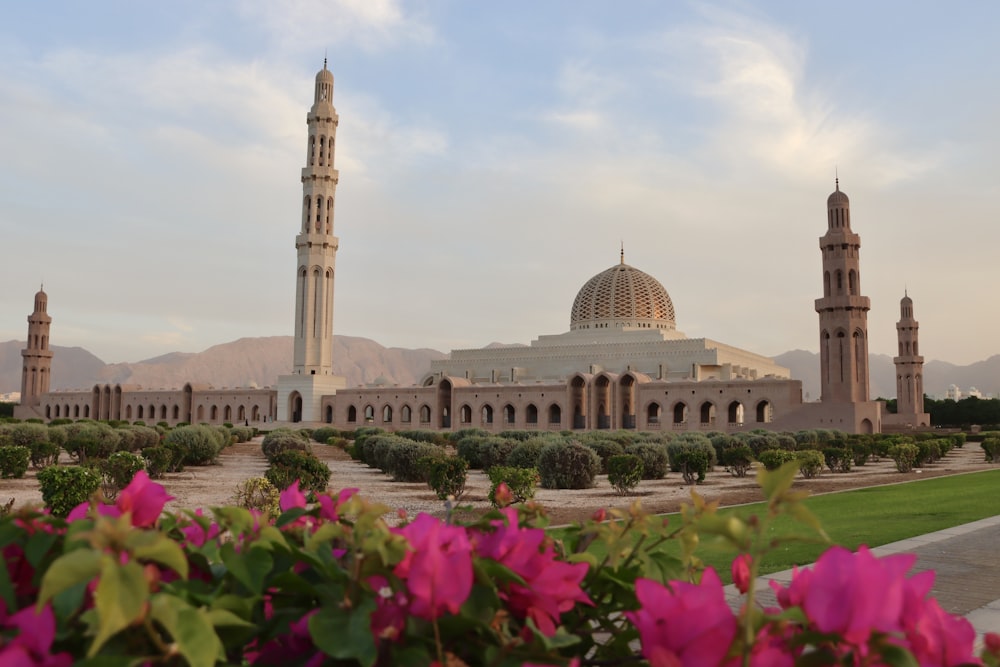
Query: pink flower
point(741, 572)
point(389, 617)
point(292, 497)
point(33, 643)
point(551, 587)
point(81, 510)
point(329, 507)
point(438, 570)
point(296, 647)
point(851, 594)
point(144, 499)
point(689, 625)
point(503, 495)
point(938, 638)
point(196, 535)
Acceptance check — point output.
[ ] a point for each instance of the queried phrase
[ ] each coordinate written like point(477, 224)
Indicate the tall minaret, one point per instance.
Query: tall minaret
point(300, 394)
point(843, 312)
point(37, 355)
point(316, 245)
point(909, 365)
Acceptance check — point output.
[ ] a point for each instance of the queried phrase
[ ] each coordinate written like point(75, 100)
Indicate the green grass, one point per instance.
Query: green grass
point(872, 516)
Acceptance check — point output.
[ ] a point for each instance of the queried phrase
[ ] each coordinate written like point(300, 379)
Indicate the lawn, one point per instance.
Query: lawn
point(873, 516)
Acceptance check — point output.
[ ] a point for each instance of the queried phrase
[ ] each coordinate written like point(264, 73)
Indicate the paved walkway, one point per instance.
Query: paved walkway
point(967, 562)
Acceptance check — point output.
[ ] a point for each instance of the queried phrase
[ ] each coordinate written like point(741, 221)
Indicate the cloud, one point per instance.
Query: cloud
point(299, 25)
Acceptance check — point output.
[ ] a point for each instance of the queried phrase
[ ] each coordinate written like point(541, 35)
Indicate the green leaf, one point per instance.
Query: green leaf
point(222, 617)
point(897, 656)
point(120, 598)
point(190, 628)
point(290, 515)
point(39, 546)
point(250, 567)
point(234, 604)
point(78, 566)
point(560, 640)
point(157, 547)
point(775, 482)
point(6, 589)
point(345, 633)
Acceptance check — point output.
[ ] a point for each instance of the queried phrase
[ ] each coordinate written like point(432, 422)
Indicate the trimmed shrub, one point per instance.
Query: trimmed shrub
point(905, 455)
point(693, 463)
point(405, 461)
point(144, 436)
point(958, 439)
point(468, 448)
point(525, 454)
point(811, 462)
point(90, 440)
point(654, 458)
point(928, 451)
point(520, 436)
point(158, 461)
point(27, 435)
point(605, 449)
point(65, 487)
point(690, 441)
point(257, 493)
point(200, 444)
point(423, 435)
point(762, 442)
point(738, 459)
point(838, 459)
point(242, 434)
point(448, 476)
point(14, 461)
point(772, 459)
point(324, 433)
point(520, 481)
point(624, 472)
point(44, 454)
point(860, 452)
point(295, 464)
point(722, 442)
point(281, 440)
point(568, 465)
point(494, 451)
point(117, 471)
point(991, 449)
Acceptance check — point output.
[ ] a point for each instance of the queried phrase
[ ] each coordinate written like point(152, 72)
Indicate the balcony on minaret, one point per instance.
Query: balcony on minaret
point(843, 302)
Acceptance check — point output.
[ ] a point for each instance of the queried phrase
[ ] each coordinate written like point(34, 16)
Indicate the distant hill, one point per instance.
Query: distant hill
point(938, 375)
point(240, 363)
point(261, 360)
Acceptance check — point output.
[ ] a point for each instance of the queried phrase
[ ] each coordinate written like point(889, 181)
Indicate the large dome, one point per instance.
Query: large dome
point(622, 297)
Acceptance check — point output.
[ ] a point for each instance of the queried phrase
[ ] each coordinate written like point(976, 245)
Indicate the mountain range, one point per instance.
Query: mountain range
point(259, 361)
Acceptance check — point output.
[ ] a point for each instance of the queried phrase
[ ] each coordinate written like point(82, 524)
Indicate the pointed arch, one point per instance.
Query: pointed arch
point(531, 414)
point(352, 414)
point(486, 414)
point(555, 414)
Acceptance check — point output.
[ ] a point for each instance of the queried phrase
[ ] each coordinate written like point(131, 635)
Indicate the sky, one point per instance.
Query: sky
point(493, 157)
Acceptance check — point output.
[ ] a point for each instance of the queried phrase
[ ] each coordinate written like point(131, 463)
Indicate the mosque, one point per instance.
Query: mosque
point(622, 365)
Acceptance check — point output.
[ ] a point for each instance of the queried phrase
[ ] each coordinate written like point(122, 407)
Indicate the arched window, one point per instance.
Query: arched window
point(322, 150)
point(312, 150)
point(653, 413)
point(329, 414)
point(241, 414)
point(509, 414)
point(487, 414)
point(852, 282)
point(176, 413)
point(826, 283)
point(387, 414)
point(352, 414)
point(405, 415)
point(680, 413)
point(227, 414)
point(840, 282)
point(128, 412)
point(425, 414)
point(735, 411)
point(213, 413)
point(465, 414)
point(329, 213)
point(531, 414)
point(555, 414)
point(707, 413)
point(369, 413)
point(76, 412)
point(764, 412)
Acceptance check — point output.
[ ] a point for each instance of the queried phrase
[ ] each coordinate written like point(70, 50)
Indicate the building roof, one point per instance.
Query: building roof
point(622, 296)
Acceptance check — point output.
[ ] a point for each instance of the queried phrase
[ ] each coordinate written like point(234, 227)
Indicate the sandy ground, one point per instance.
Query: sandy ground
point(215, 485)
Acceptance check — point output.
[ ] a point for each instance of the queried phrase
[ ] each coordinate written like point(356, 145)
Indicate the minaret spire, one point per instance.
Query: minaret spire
point(623, 252)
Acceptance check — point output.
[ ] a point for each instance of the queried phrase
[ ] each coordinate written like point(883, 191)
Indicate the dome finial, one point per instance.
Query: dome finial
point(324, 58)
point(622, 252)
point(836, 178)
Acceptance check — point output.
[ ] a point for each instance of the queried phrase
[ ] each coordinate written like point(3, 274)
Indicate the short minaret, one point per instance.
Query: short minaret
point(909, 365)
point(300, 394)
point(37, 355)
point(843, 312)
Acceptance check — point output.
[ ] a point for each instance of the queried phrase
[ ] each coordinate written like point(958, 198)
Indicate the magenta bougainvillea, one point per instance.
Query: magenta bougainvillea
point(330, 582)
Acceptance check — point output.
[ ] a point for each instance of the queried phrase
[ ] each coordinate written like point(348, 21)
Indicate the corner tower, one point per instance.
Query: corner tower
point(843, 312)
point(312, 376)
point(36, 356)
point(909, 370)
